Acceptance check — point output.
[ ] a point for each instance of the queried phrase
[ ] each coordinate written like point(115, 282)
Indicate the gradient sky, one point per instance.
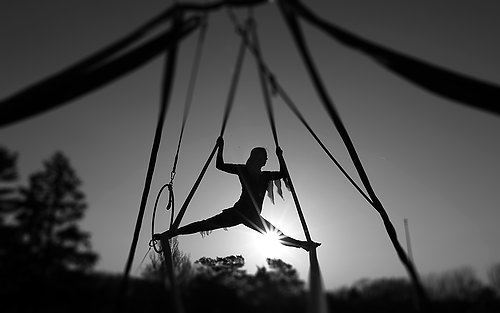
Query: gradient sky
point(430, 160)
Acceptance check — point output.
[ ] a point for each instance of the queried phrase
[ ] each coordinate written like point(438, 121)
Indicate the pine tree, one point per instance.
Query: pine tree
point(8, 175)
point(9, 237)
point(50, 208)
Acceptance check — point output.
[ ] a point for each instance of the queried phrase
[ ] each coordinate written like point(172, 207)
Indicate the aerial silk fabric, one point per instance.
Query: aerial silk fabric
point(443, 82)
point(86, 76)
point(290, 16)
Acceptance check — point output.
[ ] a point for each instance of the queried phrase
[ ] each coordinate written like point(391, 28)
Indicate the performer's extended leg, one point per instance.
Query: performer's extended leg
point(221, 220)
point(260, 224)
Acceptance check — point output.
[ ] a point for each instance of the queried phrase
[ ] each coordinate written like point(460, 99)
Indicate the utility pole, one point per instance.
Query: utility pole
point(408, 241)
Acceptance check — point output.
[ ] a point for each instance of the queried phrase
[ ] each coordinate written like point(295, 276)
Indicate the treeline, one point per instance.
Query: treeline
point(221, 285)
point(456, 290)
point(218, 285)
point(39, 233)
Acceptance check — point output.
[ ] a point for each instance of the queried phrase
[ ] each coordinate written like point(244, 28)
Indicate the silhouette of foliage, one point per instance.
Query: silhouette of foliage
point(8, 175)
point(460, 283)
point(8, 169)
point(221, 285)
point(494, 277)
point(228, 264)
point(9, 236)
point(156, 271)
point(390, 289)
point(277, 289)
point(389, 294)
point(47, 216)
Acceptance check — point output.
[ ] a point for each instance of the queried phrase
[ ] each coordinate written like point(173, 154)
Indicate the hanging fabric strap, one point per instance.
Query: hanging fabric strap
point(277, 89)
point(164, 241)
point(70, 84)
point(293, 107)
point(264, 85)
point(272, 122)
point(187, 107)
point(464, 89)
point(227, 111)
point(169, 70)
point(317, 300)
point(105, 65)
point(232, 89)
point(190, 90)
point(291, 19)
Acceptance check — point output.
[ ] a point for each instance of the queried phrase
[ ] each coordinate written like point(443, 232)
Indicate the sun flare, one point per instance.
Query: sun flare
point(269, 244)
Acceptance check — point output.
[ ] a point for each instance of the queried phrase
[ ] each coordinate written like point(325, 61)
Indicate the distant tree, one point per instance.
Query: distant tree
point(156, 270)
point(229, 264)
point(221, 285)
point(8, 175)
point(461, 283)
point(9, 237)
point(286, 275)
point(48, 214)
point(494, 277)
point(276, 288)
point(390, 289)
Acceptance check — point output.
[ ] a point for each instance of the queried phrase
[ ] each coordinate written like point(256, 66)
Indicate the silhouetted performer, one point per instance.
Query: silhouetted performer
point(247, 209)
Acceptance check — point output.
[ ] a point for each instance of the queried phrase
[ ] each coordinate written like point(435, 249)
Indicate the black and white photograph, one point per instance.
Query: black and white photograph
point(298, 156)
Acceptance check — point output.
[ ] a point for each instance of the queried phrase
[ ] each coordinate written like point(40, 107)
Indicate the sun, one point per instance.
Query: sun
point(268, 244)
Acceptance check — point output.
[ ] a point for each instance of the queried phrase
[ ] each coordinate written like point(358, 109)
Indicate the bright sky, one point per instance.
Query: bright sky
point(430, 160)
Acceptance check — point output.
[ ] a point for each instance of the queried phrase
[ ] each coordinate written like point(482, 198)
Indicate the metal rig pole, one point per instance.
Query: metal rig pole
point(408, 241)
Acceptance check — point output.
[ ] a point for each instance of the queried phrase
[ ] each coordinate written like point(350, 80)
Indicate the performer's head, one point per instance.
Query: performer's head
point(258, 157)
